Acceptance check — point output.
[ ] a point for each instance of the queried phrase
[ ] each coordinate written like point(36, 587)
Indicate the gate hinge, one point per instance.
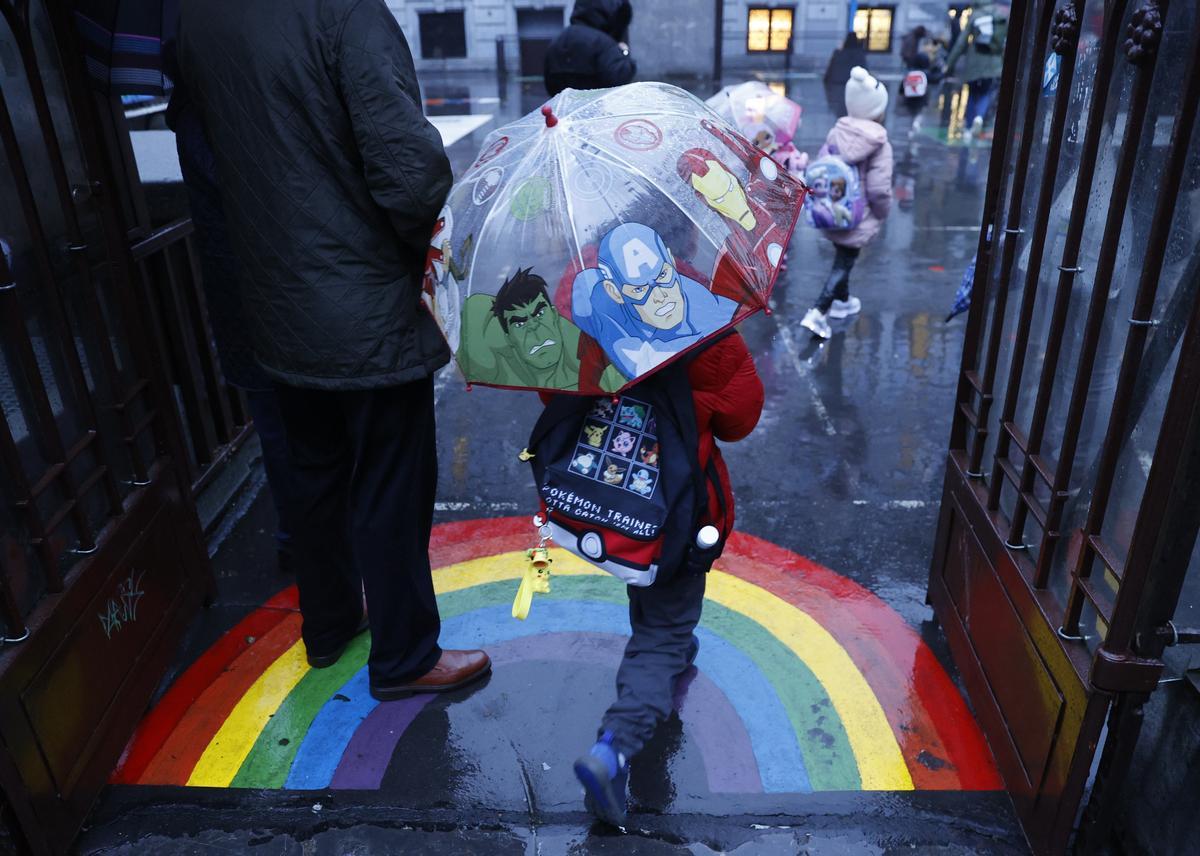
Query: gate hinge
point(1124, 673)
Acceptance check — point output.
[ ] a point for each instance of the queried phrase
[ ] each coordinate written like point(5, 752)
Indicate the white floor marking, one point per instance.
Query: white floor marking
point(477, 506)
point(806, 375)
point(454, 128)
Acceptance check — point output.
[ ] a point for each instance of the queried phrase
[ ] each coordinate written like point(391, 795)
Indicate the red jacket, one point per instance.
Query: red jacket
point(728, 397)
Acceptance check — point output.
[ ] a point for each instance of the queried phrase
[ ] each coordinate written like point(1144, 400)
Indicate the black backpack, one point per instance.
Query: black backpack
point(620, 479)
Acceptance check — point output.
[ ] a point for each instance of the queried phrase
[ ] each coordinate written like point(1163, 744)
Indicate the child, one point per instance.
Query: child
point(861, 140)
point(728, 398)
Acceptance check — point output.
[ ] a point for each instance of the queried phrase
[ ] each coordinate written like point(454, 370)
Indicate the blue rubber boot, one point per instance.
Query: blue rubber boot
point(604, 772)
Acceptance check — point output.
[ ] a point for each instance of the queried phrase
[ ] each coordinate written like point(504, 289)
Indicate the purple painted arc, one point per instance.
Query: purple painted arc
point(711, 719)
point(728, 755)
point(366, 752)
point(781, 764)
point(370, 749)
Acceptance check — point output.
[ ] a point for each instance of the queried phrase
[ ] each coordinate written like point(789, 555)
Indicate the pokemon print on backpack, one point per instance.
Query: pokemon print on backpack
point(620, 482)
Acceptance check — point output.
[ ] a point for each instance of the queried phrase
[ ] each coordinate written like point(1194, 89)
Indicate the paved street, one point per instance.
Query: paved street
point(823, 713)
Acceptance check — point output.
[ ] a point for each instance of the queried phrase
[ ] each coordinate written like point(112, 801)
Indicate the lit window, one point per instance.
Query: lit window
point(873, 26)
point(768, 30)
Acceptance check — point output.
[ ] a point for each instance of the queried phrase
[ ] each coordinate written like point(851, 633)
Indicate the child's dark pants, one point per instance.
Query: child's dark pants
point(663, 618)
point(837, 286)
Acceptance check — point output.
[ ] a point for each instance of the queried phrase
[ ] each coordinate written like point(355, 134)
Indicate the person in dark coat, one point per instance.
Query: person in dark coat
point(591, 53)
point(331, 179)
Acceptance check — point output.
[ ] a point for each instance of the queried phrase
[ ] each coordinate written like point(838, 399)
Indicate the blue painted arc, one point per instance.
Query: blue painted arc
point(330, 734)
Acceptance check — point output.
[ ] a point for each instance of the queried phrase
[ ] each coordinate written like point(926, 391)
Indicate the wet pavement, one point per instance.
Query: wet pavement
point(823, 714)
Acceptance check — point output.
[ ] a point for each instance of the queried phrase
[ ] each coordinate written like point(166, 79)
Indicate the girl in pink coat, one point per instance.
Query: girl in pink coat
point(861, 140)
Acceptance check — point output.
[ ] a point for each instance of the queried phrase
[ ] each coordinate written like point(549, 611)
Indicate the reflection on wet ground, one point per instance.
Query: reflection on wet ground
point(820, 716)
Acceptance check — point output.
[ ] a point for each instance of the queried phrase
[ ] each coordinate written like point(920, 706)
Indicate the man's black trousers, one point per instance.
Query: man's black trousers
point(365, 476)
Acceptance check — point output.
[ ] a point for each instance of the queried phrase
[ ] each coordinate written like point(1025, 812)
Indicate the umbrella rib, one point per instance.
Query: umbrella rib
point(652, 183)
point(562, 180)
point(700, 228)
point(504, 197)
point(640, 114)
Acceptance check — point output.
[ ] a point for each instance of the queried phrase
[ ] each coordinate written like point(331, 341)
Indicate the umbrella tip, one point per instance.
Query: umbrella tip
point(551, 119)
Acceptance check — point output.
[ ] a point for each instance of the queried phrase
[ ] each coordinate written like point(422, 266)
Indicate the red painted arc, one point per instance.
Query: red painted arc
point(162, 719)
point(182, 747)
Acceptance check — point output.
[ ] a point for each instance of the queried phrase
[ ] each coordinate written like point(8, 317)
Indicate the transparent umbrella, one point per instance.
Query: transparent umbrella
point(600, 238)
point(762, 115)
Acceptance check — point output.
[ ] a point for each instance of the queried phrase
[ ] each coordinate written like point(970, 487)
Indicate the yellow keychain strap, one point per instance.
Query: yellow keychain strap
point(524, 598)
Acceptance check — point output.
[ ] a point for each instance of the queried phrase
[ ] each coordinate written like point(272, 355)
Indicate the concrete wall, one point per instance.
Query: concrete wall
point(668, 37)
point(485, 22)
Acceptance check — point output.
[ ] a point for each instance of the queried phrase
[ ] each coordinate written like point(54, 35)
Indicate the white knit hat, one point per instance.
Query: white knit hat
point(866, 97)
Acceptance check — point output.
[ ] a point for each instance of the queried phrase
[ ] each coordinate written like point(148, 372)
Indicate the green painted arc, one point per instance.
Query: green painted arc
point(822, 739)
point(270, 759)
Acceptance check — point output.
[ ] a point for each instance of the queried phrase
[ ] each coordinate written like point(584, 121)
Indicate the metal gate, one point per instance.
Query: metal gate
point(112, 412)
point(1069, 512)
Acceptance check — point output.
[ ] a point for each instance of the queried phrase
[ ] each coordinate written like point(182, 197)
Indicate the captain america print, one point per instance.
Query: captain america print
point(638, 306)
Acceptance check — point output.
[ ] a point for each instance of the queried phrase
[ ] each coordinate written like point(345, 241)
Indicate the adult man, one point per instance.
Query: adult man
point(331, 178)
point(518, 338)
point(638, 306)
point(591, 53)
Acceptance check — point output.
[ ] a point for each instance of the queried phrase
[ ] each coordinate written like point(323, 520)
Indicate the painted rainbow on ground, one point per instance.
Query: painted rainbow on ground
point(805, 680)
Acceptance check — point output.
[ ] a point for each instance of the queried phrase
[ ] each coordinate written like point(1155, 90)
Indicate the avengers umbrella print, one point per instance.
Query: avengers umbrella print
point(598, 239)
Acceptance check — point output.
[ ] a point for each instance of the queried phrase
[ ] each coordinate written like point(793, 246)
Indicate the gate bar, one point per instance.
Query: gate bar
point(1013, 227)
point(969, 381)
point(1131, 363)
point(1033, 273)
point(198, 309)
point(105, 367)
point(167, 432)
point(47, 434)
point(186, 357)
point(1165, 533)
point(1106, 264)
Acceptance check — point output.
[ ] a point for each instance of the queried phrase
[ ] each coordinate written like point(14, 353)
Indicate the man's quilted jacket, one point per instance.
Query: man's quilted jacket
point(331, 178)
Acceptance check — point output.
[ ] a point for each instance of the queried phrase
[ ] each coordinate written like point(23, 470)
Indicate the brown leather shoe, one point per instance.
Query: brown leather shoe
point(454, 669)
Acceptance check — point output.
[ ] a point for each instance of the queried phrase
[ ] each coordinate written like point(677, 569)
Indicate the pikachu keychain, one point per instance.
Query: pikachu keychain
point(536, 579)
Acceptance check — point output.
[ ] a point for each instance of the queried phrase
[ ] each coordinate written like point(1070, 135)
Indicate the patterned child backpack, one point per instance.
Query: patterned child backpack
point(915, 84)
point(620, 481)
point(835, 198)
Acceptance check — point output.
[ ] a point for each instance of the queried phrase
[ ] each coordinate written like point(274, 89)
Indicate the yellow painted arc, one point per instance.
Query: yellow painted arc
point(880, 761)
point(503, 566)
point(235, 738)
